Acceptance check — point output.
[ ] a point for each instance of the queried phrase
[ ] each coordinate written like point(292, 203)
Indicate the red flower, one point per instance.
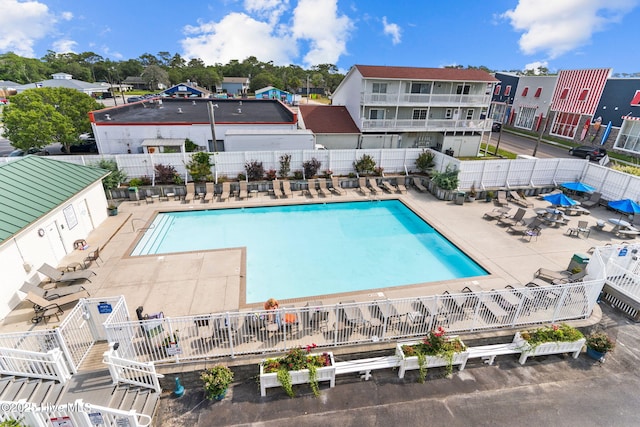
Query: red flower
point(556, 327)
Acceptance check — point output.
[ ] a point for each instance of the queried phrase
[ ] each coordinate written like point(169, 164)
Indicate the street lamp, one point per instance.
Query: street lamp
point(544, 126)
point(307, 89)
point(212, 120)
point(504, 115)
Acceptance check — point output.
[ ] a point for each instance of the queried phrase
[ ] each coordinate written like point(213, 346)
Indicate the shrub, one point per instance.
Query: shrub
point(551, 333)
point(600, 342)
point(425, 161)
point(365, 165)
point(135, 182)
point(115, 177)
point(165, 174)
point(216, 380)
point(285, 165)
point(241, 177)
point(447, 180)
point(311, 167)
point(378, 171)
point(271, 174)
point(200, 167)
point(297, 175)
point(255, 170)
point(190, 146)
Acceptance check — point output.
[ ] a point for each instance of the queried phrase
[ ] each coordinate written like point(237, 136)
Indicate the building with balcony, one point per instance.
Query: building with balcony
point(440, 108)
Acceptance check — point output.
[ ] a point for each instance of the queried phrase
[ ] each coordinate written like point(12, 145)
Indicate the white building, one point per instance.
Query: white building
point(442, 108)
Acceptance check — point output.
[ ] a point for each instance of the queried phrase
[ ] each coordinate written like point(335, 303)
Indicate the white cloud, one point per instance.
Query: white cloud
point(237, 36)
point(559, 26)
point(536, 65)
point(392, 30)
point(318, 23)
point(67, 16)
point(64, 46)
point(22, 24)
point(269, 31)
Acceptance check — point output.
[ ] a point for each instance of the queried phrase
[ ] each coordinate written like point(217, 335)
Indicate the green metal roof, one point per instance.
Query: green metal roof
point(33, 186)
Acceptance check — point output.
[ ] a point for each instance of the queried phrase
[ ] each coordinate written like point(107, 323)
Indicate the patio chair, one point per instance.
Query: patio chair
point(583, 227)
point(417, 182)
point(335, 187)
point(593, 201)
point(286, 189)
point(226, 190)
point(362, 187)
point(373, 186)
point(51, 294)
point(522, 229)
point(400, 185)
point(277, 189)
point(514, 220)
point(93, 256)
point(550, 276)
point(243, 193)
point(311, 188)
point(66, 277)
point(209, 194)
point(322, 188)
point(533, 232)
point(191, 192)
point(44, 309)
point(497, 213)
point(501, 198)
point(386, 185)
point(518, 199)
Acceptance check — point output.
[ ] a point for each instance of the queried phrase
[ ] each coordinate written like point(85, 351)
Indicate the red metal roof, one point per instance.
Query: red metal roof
point(328, 119)
point(414, 73)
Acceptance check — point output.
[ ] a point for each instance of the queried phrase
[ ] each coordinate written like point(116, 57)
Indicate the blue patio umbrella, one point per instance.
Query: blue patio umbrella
point(578, 187)
point(559, 199)
point(625, 205)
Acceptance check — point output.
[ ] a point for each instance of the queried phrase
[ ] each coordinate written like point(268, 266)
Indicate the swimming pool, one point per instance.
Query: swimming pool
point(300, 251)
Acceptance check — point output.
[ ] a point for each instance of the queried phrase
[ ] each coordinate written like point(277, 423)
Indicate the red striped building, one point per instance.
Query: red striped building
point(577, 94)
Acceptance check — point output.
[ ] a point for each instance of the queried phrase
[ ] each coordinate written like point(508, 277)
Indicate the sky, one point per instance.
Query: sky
point(499, 34)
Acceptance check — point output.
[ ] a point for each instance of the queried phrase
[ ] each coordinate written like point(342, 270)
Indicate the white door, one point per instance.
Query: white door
point(55, 241)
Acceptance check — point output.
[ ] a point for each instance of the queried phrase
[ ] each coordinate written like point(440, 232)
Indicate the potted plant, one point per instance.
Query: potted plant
point(599, 344)
point(446, 182)
point(112, 208)
point(216, 381)
point(298, 366)
point(436, 349)
point(552, 339)
point(471, 195)
point(425, 161)
point(489, 196)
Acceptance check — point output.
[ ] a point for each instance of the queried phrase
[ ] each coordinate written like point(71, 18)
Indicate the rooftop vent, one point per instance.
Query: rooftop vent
point(193, 102)
point(239, 110)
point(179, 110)
point(240, 102)
point(107, 117)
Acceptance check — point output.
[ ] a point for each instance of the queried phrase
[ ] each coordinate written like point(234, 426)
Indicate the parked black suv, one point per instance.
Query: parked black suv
point(496, 127)
point(587, 152)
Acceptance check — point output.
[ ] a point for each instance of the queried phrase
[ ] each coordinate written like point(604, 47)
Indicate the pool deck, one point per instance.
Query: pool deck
point(211, 281)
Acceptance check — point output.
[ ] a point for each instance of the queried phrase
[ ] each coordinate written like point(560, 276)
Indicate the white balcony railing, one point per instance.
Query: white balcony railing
point(424, 99)
point(428, 125)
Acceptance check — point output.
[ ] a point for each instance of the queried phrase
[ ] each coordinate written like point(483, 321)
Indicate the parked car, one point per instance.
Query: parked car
point(32, 150)
point(587, 152)
point(86, 146)
point(496, 127)
point(3, 101)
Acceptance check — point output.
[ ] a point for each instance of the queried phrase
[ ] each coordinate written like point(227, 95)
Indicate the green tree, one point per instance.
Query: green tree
point(114, 178)
point(200, 166)
point(39, 117)
point(153, 75)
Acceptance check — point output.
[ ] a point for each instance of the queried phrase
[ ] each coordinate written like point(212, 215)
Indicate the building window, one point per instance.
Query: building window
point(496, 91)
point(419, 114)
point(564, 93)
point(379, 88)
point(525, 118)
point(525, 91)
point(538, 92)
point(636, 99)
point(448, 113)
point(376, 114)
point(629, 137)
point(565, 125)
point(507, 90)
point(470, 114)
point(583, 94)
point(420, 88)
point(463, 89)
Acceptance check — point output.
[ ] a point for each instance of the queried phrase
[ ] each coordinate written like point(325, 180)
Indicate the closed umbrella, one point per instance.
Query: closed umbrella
point(560, 199)
point(578, 187)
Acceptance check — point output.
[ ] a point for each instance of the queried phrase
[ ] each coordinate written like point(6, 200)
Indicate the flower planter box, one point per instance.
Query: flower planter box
point(408, 363)
point(327, 373)
point(546, 348)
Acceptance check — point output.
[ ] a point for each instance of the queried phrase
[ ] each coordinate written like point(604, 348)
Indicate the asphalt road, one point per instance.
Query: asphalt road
point(521, 145)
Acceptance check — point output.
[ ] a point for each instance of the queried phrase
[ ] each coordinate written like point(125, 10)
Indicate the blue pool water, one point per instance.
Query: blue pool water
point(315, 249)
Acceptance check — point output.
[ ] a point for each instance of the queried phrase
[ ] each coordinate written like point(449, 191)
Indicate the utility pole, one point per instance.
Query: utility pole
point(212, 120)
point(544, 126)
point(307, 88)
point(504, 115)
